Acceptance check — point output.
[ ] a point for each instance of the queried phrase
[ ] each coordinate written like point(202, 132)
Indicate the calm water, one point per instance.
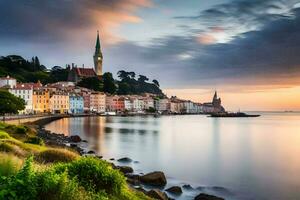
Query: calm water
point(255, 158)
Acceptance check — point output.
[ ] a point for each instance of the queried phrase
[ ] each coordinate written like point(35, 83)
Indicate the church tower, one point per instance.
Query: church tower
point(98, 57)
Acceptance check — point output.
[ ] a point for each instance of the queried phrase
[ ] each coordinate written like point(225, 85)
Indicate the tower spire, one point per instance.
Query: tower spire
point(98, 43)
point(98, 57)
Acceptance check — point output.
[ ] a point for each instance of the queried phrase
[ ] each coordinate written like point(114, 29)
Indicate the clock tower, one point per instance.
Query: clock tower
point(98, 57)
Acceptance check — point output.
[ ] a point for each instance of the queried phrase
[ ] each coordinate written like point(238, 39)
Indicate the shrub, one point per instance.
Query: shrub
point(35, 140)
point(9, 164)
point(95, 175)
point(56, 155)
point(20, 186)
point(20, 130)
point(4, 135)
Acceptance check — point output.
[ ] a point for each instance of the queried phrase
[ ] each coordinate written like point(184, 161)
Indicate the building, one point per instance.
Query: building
point(148, 102)
point(128, 106)
point(97, 102)
point(163, 105)
point(24, 91)
point(213, 107)
point(8, 82)
point(78, 73)
point(76, 104)
point(111, 102)
point(40, 101)
point(98, 57)
point(59, 103)
point(138, 104)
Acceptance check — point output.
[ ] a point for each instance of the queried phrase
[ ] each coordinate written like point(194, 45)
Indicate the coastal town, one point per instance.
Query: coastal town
point(67, 97)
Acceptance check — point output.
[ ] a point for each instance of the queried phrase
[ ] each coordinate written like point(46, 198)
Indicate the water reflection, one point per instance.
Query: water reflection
point(239, 158)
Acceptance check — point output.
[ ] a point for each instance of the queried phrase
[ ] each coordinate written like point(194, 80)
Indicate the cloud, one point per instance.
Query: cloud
point(238, 17)
point(262, 58)
point(60, 20)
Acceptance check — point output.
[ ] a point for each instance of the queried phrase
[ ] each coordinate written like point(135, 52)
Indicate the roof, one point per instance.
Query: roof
point(85, 72)
point(28, 86)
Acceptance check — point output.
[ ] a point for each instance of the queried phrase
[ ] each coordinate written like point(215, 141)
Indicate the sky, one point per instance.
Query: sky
point(247, 50)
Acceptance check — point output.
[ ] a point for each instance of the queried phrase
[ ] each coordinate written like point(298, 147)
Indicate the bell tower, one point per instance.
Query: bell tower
point(98, 57)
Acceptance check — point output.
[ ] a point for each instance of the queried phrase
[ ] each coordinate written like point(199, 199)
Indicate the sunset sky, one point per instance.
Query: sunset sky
point(248, 50)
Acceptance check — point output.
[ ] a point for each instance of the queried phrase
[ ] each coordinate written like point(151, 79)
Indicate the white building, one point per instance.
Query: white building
point(25, 92)
point(149, 102)
point(8, 82)
point(128, 105)
point(138, 104)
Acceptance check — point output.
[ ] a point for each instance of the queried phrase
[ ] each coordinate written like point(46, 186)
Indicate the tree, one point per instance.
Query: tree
point(37, 62)
point(10, 104)
point(143, 78)
point(93, 83)
point(155, 82)
point(108, 83)
point(123, 75)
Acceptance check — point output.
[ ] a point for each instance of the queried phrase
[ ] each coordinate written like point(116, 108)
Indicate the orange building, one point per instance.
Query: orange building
point(40, 101)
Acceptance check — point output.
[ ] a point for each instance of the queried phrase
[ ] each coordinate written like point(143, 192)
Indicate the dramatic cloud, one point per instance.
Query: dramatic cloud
point(59, 20)
point(224, 22)
point(268, 57)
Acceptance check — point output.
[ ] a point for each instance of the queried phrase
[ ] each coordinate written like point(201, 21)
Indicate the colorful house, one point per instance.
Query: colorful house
point(25, 92)
point(97, 102)
point(76, 104)
point(59, 103)
point(40, 100)
point(8, 82)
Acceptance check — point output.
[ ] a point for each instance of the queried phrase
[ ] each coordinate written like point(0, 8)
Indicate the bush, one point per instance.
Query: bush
point(56, 155)
point(95, 175)
point(9, 165)
point(4, 135)
point(35, 140)
point(20, 130)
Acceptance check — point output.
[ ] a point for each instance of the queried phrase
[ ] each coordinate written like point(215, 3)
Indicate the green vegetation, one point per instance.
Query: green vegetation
point(34, 171)
point(30, 71)
point(56, 155)
point(128, 84)
point(9, 103)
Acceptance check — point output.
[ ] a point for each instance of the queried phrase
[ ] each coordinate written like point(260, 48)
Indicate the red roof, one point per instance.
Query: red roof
point(85, 72)
point(27, 86)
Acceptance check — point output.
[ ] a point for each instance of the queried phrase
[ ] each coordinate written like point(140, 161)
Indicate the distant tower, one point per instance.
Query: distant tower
point(216, 101)
point(98, 57)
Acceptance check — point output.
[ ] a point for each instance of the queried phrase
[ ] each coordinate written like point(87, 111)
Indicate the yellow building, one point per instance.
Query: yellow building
point(59, 103)
point(40, 101)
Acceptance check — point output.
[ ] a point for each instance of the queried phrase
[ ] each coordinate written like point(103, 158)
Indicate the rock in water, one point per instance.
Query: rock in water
point(154, 179)
point(175, 190)
point(157, 194)
point(187, 187)
point(125, 159)
point(125, 169)
point(203, 196)
point(75, 138)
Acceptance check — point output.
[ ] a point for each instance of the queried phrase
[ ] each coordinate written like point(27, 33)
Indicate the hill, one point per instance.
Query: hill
point(32, 71)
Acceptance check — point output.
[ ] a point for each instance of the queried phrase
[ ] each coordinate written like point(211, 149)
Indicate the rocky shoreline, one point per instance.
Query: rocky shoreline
point(156, 180)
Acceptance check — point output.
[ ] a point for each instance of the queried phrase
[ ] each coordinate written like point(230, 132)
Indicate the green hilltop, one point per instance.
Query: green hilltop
point(33, 71)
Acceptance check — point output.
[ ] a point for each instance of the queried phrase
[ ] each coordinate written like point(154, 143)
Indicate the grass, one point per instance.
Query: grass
point(4, 135)
point(35, 171)
point(56, 155)
point(9, 164)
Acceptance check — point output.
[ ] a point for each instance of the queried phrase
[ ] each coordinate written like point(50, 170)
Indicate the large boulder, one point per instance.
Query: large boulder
point(75, 138)
point(157, 194)
point(154, 179)
point(174, 190)
point(204, 196)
